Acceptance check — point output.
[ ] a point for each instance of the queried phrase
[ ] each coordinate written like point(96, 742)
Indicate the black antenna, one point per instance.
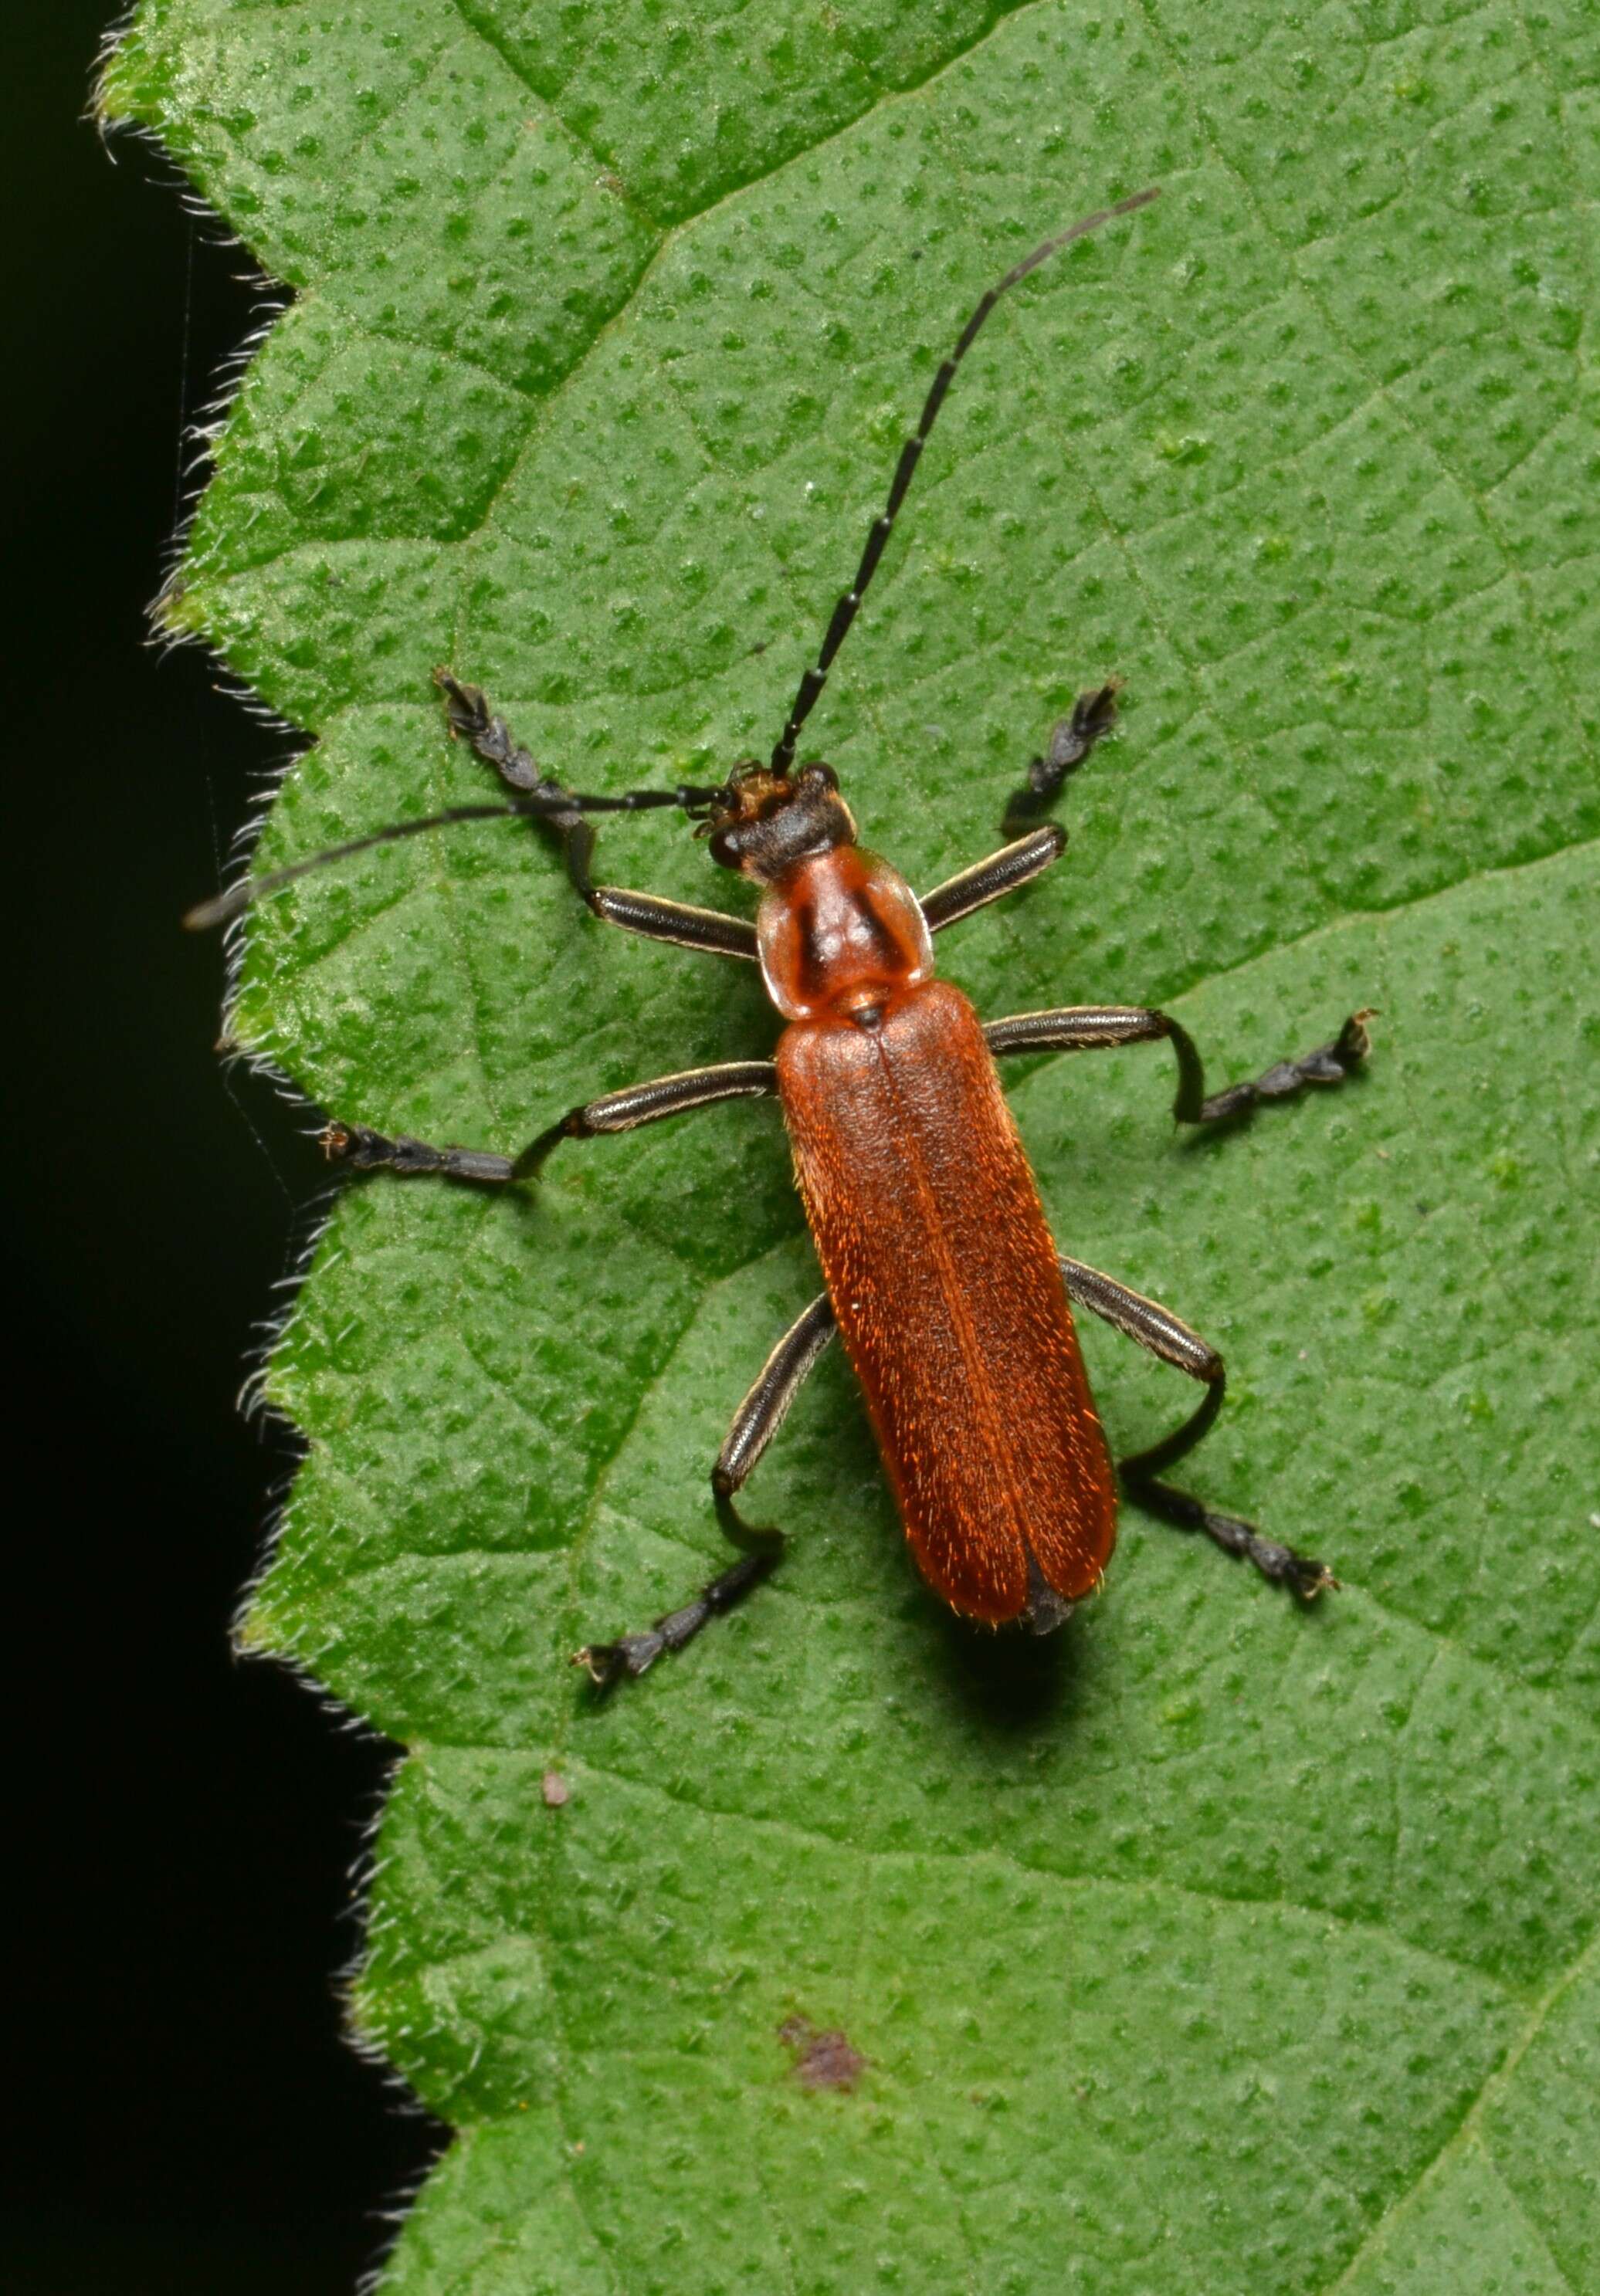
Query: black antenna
point(560, 807)
point(845, 611)
point(238, 898)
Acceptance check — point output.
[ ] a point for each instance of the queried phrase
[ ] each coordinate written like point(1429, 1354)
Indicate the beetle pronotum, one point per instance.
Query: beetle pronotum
point(941, 1273)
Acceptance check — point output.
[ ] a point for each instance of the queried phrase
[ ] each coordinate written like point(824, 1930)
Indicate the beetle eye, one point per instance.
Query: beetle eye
point(816, 771)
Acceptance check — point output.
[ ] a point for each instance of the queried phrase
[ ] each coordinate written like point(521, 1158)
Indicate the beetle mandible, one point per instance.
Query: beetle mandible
point(942, 1275)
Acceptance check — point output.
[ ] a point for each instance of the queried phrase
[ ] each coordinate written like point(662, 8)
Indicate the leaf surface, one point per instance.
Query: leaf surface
point(1212, 1944)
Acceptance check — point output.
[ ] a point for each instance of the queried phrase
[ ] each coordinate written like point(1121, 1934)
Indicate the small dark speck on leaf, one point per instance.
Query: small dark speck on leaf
point(556, 1789)
point(821, 2060)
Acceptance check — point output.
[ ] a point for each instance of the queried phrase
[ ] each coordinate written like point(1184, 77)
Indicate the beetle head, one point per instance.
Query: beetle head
point(761, 822)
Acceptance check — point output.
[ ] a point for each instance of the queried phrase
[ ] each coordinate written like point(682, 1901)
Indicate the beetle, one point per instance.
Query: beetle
point(942, 1278)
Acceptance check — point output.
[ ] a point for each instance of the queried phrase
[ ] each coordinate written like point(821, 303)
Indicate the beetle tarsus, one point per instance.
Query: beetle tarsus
point(1280, 1565)
point(474, 722)
point(362, 1150)
point(632, 1655)
point(609, 1663)
point(1071, 738)
point(1329, 1063)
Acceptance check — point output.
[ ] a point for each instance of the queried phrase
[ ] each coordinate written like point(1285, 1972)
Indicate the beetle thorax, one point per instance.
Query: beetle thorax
point(840, 936)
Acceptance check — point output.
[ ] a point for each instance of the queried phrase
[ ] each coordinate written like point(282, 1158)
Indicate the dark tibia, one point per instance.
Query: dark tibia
point(366, 1151)
point(1154, 1327)
point(766, 1406)
point(755, 1423)
point(1165, 1335)
point(1070, 741)
point(679, 921)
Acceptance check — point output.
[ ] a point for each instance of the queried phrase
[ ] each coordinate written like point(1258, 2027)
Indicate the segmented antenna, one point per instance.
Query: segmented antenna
point(226, 906)
point(560, 807)
point(844, 613)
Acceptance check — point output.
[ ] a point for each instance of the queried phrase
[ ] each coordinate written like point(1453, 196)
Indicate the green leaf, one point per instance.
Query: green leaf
point(1213, 1945)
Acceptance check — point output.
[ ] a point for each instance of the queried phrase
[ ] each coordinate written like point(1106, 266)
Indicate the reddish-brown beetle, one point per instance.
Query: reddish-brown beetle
point(941, 1272)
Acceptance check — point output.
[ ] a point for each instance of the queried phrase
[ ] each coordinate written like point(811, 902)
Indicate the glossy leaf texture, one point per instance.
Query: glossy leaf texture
point(1212, 1945)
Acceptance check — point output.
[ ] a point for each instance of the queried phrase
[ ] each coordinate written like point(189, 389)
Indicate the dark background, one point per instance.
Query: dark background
point(184, 1826)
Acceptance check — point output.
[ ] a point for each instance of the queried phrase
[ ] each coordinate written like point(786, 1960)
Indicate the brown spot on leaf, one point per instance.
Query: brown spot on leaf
point(822, 2060)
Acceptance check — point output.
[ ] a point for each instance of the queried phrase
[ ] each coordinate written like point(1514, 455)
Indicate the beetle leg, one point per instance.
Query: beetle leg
point(1156, 1327)
point(988, 880)
point(1070, 741)
point(366, 1151)
point(1085, 1028)
point(755, 1423)
point(473, 721)
point(654, 918)
point(1031, 849)
point(766, 1406)
point(1080, 1027)
point(1329, 1063)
